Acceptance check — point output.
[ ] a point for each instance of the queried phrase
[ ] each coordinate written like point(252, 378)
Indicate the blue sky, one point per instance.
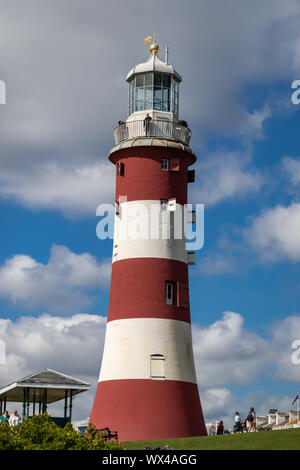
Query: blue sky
point(65, 70)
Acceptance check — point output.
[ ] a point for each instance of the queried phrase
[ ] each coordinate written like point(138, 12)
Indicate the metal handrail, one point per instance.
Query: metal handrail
point(155, 128)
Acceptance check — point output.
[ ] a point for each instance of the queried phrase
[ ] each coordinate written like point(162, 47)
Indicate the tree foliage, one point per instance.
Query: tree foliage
point(40, 433)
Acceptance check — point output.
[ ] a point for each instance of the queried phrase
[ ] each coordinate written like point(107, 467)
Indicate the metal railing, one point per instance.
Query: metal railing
point(155, 128)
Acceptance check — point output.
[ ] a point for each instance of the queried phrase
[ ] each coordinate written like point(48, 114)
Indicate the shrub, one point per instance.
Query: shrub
point(40, 433)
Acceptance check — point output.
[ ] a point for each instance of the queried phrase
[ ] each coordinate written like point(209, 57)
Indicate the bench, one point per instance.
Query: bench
point(107, 434)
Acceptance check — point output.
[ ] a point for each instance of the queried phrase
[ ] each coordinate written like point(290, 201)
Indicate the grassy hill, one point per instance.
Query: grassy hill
point(268, 440)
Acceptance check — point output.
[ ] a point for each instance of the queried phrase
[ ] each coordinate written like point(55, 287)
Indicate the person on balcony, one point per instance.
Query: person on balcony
point(121, 131)
point(147, 122)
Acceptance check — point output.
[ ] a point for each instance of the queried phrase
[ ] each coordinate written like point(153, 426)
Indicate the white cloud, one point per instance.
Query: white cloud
point(291, 166)
point(69, 345)
point(226, 353)
point(60, 284)
point(223, 176)
point(217, 403)
point(74, 190)
point(217, 263)
point(274, 234)
point(284, 334)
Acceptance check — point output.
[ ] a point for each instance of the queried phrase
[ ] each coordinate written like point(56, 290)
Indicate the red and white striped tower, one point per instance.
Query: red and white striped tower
point(147, 386)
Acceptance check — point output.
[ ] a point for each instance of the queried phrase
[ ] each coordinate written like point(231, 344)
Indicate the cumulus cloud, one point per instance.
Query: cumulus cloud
point(66, 88)
point(225, 175)
point(217, 263)
point(226, 354)
point(73, 190)
point(291, 166)
point(69, 345)
point(274, 233)
point(218, 403)
point(60, 284)
point(285, 333)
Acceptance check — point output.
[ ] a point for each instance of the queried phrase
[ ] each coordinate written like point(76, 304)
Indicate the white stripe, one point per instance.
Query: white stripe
point(143, 230)
point(129, 344)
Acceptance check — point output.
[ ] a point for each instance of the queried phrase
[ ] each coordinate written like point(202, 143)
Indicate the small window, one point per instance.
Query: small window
point(182, 295)
point(174, 164)
point(169, 293)
point(120, 169)
point(165, 164)
point(191, 176)
point(164, 204)
point(157, 367)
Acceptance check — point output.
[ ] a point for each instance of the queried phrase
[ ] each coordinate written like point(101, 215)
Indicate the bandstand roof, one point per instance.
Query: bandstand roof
point(56, 384)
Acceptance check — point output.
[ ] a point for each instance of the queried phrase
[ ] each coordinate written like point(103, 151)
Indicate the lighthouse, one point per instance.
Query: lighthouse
point(147, 386)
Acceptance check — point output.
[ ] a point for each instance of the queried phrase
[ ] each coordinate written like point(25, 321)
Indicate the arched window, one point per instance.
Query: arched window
point(157, 367)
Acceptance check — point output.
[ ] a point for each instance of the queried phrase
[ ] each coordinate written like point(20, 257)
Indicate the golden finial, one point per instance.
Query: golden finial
point(154, 48)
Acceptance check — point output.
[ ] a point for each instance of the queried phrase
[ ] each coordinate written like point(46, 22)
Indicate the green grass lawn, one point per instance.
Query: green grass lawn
point(268, 440)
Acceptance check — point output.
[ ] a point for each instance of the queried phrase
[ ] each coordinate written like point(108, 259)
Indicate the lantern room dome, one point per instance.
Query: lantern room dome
point(153, 64)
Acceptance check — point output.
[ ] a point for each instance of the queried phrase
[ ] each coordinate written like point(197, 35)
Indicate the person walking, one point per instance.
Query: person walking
point(14, 419)
point(237, 423)
point(251, 418)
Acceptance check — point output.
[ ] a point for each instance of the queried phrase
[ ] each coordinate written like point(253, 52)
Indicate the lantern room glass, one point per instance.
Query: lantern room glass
point(154, 91)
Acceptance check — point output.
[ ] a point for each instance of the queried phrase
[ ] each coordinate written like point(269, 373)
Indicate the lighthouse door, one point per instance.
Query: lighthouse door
point(157, 367)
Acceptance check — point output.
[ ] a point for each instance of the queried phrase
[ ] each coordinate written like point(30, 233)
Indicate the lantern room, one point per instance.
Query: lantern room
point(154, 89)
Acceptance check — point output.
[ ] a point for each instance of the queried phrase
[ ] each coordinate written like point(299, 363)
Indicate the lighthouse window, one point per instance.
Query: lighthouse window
point(157, 99)
point(157, 367)
point(167, 81)
point(164, 204)
point(158, 79)
point(182, 295)
point(139, 81)
point(120, 169)
point(174, 164)
point(169, 293)
point(175, 97)
point(152, 90)
point(148, 79)
point(165, 164)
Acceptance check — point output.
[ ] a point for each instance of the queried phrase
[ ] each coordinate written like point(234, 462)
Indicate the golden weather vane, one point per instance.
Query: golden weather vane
point(154, 48)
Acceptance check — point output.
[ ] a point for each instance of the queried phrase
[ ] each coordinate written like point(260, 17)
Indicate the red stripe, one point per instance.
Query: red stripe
point(138, 289)
point(148, 409)
point(145, 180)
